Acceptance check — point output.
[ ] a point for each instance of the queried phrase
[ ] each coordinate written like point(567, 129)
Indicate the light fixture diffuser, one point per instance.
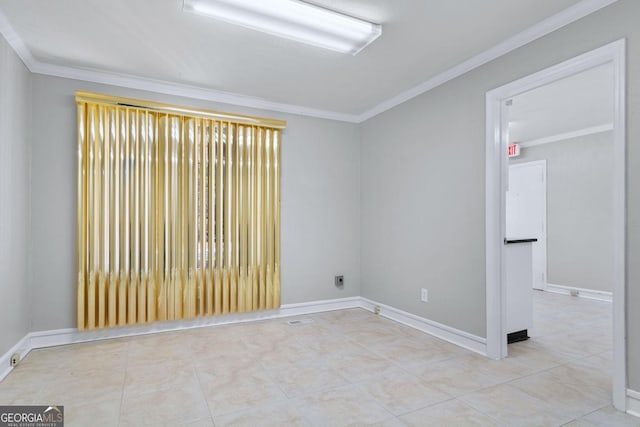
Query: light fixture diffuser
point(294, 20)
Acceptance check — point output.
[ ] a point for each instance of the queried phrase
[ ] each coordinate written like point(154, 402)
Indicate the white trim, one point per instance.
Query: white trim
point(56, 337)
point(541, 29)
point(496, 159)
point(22, 348)
point(495, 222)
point(69, 336)
point(620, 226)
point(582, 292)
point(6, 29)
point(633, 403)
point(447, 333)
point(188, 91)
point(565, 136)
point(559, 20)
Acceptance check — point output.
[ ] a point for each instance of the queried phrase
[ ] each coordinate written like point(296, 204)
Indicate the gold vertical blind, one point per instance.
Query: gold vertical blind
point(178, 212)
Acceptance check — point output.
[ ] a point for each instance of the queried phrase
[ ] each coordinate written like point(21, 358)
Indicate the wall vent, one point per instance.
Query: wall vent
point(298, 322)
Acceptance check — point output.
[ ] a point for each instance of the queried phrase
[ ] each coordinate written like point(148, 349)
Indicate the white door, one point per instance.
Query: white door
point(526, 214)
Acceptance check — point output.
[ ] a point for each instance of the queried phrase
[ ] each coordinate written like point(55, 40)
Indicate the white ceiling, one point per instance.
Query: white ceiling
point(578, 102)
point(154, 39)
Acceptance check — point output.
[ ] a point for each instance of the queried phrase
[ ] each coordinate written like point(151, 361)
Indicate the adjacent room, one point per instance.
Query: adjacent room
point(319, 213)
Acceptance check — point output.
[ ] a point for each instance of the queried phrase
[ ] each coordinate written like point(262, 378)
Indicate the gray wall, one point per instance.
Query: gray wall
point(15, 96)
point(579, 209)
point(320, 201)
point(423, 182)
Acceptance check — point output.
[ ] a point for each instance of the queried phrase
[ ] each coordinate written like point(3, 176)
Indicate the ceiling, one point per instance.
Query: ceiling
point(584, 100)
point(154, 39)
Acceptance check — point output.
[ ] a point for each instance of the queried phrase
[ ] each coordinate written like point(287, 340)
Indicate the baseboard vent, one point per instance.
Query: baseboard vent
point(298, 322)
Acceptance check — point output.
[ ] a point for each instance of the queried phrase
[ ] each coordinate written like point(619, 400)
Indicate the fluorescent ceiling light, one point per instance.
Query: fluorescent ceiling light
point(293, 20)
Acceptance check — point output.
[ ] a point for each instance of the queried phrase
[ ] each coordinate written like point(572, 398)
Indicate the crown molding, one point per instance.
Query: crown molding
point(188, 91)
point(16, 43)
point(559, 20)
point(541, 29)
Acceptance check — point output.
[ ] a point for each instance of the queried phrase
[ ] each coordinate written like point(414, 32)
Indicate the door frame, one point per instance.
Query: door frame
point(543, 241)
point(496, 180)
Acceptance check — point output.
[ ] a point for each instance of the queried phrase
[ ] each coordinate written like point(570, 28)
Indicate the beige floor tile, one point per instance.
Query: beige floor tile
point(205, 422)
point(361, 367)
point(414, 354)
point(268, 330)
point(84, 358)
point(402, 393)
point(238, 391)
point(24, 383)
point(332, 347)
point(82, 389)
point(391, 422)
point(16, 393)
point(573, 401)
point(577, 374)
point(228, 363)
point(284, 355)
point(573, 346)
point(499, 370)
point(302, 379)
point(269, 415)
point(164, 407)
point(610, 417)
point(311, 332)
point(216, 341)
point(602, 362)
point(456, 376)
point(370, 337)
point(103, 413)
point(537, 358)
point(578, 423)
point(350, 405)
point(146, 354)
point(342, 317)
point(452, 413)
point(513, 407)
point(159, 376)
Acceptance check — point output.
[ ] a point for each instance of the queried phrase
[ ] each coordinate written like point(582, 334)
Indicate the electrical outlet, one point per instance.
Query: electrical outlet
point(339, 281)
point(15, 358)
point(376, 309)
point(424, 295)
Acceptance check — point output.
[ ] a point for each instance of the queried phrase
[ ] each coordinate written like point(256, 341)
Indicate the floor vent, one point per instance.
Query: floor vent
point(298, 322)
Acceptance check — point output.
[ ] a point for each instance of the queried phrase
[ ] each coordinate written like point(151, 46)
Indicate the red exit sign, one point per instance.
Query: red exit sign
point(513, 150)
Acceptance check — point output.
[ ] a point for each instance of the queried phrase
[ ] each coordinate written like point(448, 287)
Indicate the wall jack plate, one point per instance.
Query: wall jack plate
point(339, 281)
point(15, 359)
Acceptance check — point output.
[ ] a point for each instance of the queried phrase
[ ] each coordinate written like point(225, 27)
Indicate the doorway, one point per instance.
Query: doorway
point(497, 141)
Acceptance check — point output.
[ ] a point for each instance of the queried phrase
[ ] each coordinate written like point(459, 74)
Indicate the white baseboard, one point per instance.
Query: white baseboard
point(582, 292)
point(55, 337)
point(51, 338)
point(22, 348)
point(633, 403)
point(447, 333)
point(70, 336)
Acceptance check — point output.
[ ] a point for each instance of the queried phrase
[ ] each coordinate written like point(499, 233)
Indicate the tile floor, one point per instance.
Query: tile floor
point(347, 367)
